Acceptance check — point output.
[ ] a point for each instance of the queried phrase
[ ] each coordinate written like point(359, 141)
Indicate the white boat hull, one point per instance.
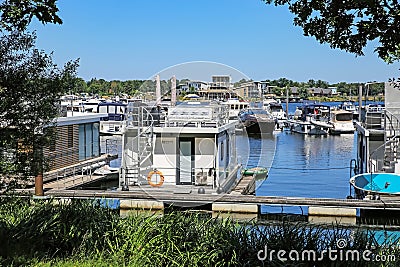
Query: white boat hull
point(302, 127)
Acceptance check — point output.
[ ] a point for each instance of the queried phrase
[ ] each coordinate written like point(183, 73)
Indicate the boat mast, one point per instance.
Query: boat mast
point(173, 91)
point(158, 90)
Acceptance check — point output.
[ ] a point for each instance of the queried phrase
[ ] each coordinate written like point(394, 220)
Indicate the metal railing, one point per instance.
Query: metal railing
point(140, 119)
point(82, 171)
point(212, 115)
point(389, 147)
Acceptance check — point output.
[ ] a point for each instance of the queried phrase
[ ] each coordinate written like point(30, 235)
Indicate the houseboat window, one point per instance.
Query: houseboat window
point(88, 140)
point(70, 139)
point(227, 151)
point(81, 142)
point(222, 151)
point(96, 139)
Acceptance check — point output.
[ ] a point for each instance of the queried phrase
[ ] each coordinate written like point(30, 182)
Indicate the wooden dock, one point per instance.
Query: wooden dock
point(180, 199)
point(245, 186)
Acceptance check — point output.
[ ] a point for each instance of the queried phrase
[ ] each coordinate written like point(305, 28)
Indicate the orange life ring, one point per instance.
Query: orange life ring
point(160, 183)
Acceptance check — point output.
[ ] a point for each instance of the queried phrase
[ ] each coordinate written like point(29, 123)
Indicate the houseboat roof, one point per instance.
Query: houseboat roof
point(196, 117)
point(79, 118)
point(112, 104)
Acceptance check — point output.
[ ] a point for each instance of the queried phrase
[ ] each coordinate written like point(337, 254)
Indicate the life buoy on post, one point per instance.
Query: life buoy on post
point(159, 183)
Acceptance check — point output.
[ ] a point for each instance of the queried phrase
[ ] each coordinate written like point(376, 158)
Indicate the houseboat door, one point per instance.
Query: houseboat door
point(186, 155)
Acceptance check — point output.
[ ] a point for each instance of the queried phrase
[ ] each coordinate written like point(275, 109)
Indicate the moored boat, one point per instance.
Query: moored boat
point(311, 119)
point(276, 110)
point(235, 106)
point(257, 120)
point(258, 172)
point(377, 183)
point(342, 122)
point(116, 115)
point(350, 107)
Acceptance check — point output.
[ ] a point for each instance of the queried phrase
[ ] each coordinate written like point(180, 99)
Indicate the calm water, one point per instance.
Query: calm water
point(300, 165)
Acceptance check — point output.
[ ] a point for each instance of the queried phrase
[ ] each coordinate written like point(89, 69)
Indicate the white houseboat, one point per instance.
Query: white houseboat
point(193, 146)
point(235, 106)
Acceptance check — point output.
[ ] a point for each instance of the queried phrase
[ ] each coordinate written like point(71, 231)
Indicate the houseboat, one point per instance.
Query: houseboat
point(235, 106)
point(377, 167)
point(257, 121)
point(114, 121)
point(342, 122)
point(311, 119)
point(192, 147)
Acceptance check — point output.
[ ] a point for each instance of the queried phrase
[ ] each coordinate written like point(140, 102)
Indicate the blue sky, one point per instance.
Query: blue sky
point(135, 39)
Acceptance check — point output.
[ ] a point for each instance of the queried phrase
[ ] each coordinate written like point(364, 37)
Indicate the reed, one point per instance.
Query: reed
point(81, 233)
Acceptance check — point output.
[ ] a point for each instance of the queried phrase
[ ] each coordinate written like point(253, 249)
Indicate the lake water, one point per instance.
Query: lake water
point(300, 165)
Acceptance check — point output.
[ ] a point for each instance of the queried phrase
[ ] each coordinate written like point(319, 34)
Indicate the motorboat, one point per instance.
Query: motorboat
point(311, 119)
point(350, 107)
point(342, 122)
point(276, 110)
point(257, 120)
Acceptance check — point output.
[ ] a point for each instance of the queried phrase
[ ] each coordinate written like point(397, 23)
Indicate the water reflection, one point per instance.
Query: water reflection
point(303, 166)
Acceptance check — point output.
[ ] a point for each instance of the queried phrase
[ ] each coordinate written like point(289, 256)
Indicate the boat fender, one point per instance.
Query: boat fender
point(159, 183)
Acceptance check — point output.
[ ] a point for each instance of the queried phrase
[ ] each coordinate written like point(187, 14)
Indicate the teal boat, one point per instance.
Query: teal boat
point(379, 183)
point(258, 172)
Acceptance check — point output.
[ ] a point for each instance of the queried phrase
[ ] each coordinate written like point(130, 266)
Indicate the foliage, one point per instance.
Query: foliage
point(303, 92)
point(30, 85)
point(81, 233)
point(17, 14)
point(349, 25)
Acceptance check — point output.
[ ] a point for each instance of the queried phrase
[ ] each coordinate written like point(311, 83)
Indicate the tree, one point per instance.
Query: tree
point(303, 91)
point(349, 25)
point(30, 85)
point(322, 84)
point(17, 14)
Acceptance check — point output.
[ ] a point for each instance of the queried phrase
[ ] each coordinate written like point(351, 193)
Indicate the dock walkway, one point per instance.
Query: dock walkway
point(75, 175)
point(386, 204)
point(245, 185)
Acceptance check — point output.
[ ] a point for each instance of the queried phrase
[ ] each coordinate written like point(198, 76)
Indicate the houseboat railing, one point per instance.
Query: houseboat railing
point(197, 116)
point(389, 148)
point(141, 119)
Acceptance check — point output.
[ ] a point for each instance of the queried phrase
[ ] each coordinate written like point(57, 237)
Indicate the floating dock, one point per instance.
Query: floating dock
point(160, 199)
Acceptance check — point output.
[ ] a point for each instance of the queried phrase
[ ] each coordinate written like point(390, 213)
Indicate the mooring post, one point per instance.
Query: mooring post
point(287, 101)
point(39, 185)
point(360, 91)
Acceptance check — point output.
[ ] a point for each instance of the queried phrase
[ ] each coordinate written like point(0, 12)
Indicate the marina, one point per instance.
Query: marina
point(195, 153)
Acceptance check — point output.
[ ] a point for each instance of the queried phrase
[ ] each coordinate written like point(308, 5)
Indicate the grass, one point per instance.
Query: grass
point(81, 233)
